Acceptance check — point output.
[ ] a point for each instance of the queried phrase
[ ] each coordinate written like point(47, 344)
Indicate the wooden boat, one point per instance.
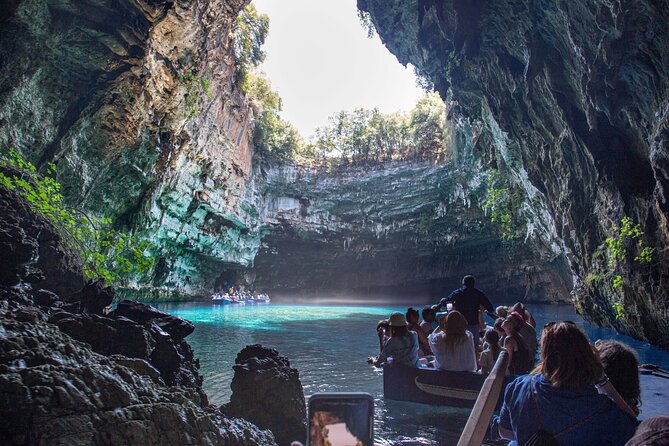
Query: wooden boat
point(433, 386)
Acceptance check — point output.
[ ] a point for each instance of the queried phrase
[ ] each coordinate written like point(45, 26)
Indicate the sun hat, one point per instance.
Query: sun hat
point(398, 319)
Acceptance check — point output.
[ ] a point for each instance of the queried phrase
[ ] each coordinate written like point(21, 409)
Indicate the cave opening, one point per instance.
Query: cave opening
point(376, 202)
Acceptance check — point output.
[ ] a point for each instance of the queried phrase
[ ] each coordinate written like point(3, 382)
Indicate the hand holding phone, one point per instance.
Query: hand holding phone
point(341, 419)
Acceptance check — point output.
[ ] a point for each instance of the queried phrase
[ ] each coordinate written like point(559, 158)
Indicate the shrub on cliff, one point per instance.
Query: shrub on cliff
point(275, 140)
point(104, 251)
point(250, 32)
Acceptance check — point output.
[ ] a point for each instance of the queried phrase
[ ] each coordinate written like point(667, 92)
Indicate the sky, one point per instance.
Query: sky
point(321, 61)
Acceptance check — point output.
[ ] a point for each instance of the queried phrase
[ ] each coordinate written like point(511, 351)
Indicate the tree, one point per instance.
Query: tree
point(274, 139)
point(369, 135)
point(427, 126)
point(250, 31)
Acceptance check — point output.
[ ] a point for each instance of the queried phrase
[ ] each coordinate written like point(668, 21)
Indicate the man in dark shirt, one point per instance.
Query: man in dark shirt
point(467, 300)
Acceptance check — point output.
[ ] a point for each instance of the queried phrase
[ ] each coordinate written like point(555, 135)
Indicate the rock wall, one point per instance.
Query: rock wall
point(570, 100)
point(397, 228)
point(136, 104)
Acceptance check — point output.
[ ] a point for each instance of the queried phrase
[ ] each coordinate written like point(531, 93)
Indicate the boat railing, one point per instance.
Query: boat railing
point(479, 418)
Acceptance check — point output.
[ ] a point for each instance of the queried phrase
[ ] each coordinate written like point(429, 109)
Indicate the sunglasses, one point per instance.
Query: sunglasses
point(550, 324)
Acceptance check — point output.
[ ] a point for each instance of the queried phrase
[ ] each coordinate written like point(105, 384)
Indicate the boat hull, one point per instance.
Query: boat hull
point(431, 386)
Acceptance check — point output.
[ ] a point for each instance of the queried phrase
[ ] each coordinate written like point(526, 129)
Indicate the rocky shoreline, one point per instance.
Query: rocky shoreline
point(73, 373)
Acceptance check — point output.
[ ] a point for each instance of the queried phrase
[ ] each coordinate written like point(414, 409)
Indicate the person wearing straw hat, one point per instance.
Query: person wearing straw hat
point(402, 346)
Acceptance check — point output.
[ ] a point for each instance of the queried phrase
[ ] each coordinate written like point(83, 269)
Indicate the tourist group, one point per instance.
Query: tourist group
point(577, 394)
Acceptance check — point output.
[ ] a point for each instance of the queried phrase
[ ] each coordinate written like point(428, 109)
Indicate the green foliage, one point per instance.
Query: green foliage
point(250, 32)
point(646, 254)
point(367, 23)
point(453, 62)
point(627, 236)
point(593, 279)
point(196, 86)
point(274, 139)
point(502, 204)
point(423, 81)
point(619, 309)
point(105, 252)
point(617, 281)
point(371, 136)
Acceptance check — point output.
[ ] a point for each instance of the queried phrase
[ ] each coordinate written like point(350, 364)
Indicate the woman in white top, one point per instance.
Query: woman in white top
point(453, 345)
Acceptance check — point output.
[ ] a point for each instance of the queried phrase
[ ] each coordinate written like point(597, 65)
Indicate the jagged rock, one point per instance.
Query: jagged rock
point(94, 297)
point(119, 335)
point(45, 298)
point(140, 366)
point(268, 392)
point(107, 336)
point(178, 328)
point(55, 390)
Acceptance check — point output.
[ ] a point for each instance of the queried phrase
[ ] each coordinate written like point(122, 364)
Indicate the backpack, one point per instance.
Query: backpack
point(544, 438)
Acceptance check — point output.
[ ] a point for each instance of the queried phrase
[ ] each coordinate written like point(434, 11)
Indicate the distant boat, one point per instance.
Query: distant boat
point(260, 299)
point(433, 386)
point(221, 298)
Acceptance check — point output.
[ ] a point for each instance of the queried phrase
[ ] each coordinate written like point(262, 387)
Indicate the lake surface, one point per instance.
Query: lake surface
point(329, 345)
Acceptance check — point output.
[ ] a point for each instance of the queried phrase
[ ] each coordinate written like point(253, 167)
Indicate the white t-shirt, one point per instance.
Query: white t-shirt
point(461, 359)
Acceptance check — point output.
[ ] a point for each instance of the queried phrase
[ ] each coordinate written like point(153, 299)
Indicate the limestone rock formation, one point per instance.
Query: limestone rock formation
point(570, 101)
point(136, 103)
point(178, 328)
point(268, 392)
point(397, 228)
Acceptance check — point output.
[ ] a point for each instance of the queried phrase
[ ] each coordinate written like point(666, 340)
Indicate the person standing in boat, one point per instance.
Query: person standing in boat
point(452, 344)
point(402, 345)
point(468, 300)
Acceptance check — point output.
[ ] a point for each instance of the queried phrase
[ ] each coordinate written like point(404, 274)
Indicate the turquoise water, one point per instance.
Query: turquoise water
point(329, 345)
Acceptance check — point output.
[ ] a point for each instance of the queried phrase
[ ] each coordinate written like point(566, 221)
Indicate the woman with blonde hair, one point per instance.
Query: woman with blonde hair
point(561, 401)
point(452, 345)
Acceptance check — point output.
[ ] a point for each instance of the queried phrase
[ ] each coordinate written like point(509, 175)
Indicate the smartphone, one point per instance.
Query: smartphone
point(341, 419)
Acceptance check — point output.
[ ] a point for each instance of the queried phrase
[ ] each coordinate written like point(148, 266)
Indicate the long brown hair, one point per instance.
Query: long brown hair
point(454, 327)
point(622, 367)
point(567, 360)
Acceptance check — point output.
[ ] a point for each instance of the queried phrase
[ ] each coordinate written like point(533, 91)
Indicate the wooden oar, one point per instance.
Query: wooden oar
point(479, 418)
point(652, 369)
